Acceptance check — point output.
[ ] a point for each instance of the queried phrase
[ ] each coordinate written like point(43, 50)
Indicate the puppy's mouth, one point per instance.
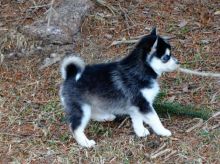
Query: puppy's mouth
point(174, 68)
point(177, 64)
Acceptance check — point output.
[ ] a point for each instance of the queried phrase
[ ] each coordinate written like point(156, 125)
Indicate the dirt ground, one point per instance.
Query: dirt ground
point(32, 123)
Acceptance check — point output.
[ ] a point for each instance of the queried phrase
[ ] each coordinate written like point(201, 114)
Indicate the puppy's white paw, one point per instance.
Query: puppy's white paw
point(164, 132)
point(88, 143)
point(83, 140)
point(142, 132)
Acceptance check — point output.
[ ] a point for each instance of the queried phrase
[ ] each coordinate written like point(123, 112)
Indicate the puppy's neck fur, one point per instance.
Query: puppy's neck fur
point(136, 62)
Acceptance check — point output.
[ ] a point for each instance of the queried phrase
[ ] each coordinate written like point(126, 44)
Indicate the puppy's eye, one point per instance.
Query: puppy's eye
point(165, 58)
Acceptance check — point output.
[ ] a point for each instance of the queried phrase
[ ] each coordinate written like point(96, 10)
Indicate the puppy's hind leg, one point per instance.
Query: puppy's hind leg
point(78, 124)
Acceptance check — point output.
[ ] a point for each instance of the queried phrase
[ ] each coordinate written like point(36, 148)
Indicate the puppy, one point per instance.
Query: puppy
point(126, 87)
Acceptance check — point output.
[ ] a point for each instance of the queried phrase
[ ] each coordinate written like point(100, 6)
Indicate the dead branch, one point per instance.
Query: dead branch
point(117, 42)
point(213, 116)
point(169, 155)
point(160, 153)
point(122, 123)
point(135, 39)
point(160, 148)
point(194, 72)
point(108, 6)
point(50, 61)
point(126, 17)
point(49, 13)
point(39, 6)
point(215, 126)
point(199, 124)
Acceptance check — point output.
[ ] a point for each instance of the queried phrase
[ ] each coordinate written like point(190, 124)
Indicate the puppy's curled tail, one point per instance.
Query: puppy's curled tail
point(72, 66)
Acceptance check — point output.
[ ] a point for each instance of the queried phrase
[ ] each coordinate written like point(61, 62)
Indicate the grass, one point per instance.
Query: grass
point(100, 130)
point(164, 107)
point(184, 30)
point(182, 110)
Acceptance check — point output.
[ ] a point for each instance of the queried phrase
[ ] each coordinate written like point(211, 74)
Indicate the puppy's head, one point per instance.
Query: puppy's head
point(158, 53)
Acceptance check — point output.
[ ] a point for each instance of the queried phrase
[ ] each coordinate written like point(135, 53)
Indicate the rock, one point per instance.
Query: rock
point(64, 23)
point(43, 38)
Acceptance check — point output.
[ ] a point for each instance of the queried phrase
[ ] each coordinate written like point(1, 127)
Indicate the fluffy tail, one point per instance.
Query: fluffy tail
point(72, 66)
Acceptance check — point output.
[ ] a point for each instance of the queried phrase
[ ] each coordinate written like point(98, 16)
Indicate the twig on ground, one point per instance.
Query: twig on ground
point(126, 18)
point(213, 116)
point(112, 160)
point(117, 42)
point(2, 57)
point(108, 6)
point(122, 123)
point(19, 135)
point(169, 155)
point(130, 27)
point(33, 2)
point(199, 124)
point(135, 39)
point(49, 13)
point(160, 148)
point(194, 72)
point(215, 126)
point(160, 153)
point(50, 61)
point(169, 37)
point(39, 6)
point(3, 29)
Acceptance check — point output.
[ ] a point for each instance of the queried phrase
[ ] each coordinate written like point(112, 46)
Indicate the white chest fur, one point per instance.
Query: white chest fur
point(150, 93)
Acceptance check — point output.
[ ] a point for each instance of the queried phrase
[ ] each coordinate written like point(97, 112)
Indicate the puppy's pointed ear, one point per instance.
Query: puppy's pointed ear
point(154, 47)
point(153, 31)
point(152, 50)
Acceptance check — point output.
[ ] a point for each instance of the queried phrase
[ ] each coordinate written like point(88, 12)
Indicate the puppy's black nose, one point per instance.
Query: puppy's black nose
point(177, 62)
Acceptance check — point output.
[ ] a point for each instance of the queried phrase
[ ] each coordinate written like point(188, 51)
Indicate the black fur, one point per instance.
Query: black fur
point(71, 70)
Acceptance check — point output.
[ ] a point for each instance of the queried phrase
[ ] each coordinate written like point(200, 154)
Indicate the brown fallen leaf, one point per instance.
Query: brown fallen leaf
point(206, 18)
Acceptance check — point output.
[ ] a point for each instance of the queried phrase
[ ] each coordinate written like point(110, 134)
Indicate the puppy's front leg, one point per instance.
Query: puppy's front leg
point(154, 122)
point(150, 116)
point(137, 122)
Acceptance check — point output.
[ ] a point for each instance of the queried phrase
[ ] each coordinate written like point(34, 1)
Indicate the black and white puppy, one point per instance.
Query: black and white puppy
point(125, 87)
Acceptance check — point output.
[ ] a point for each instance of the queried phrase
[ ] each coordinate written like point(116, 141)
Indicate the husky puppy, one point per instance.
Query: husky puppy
point(126, 87)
